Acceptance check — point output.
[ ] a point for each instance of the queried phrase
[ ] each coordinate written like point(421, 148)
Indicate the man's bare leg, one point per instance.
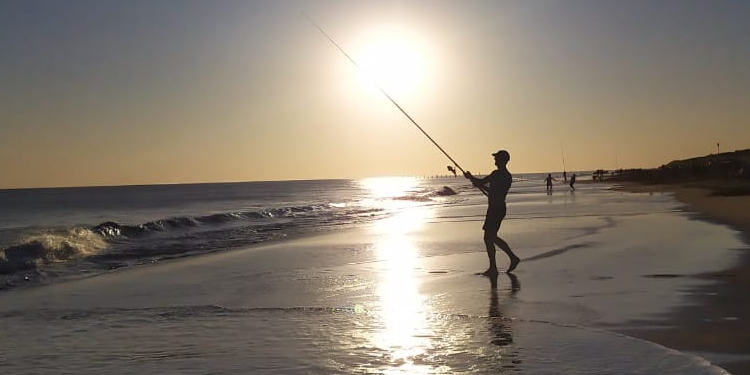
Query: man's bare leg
point(514, 260)
point(490, 244)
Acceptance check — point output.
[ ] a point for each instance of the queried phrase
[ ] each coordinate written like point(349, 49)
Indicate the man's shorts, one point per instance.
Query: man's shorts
point(495, 215)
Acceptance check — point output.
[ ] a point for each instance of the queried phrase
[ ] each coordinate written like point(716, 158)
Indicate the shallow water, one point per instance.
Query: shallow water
point(212, 339)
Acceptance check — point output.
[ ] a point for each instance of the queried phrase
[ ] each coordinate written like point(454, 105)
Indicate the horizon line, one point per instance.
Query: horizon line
point(246, 181)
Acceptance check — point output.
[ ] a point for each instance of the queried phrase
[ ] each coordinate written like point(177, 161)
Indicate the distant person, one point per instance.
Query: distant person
point(499, 183)
point(572, 182)
point(549, 180)
point(565, 176)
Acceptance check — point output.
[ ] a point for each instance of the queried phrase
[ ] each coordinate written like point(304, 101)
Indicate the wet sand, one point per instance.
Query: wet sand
point(729, 210)
point(716, 324)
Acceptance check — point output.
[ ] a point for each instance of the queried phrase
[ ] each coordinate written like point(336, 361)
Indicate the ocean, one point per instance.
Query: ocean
point(47, 234)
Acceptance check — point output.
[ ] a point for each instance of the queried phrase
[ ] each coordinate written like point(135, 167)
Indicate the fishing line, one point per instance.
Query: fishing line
point(382, 90)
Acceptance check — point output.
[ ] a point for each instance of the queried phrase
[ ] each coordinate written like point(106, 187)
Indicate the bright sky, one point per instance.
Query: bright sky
point(152, 91)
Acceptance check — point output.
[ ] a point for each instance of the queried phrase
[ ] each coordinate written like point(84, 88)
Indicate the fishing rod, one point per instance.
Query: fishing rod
point(382, 90)
point(562, 153)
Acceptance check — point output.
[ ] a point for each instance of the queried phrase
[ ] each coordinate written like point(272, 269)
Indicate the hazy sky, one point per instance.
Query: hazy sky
point(134, 92)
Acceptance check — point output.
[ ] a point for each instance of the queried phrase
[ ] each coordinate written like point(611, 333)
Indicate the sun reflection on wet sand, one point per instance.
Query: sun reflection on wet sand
point(404, 331)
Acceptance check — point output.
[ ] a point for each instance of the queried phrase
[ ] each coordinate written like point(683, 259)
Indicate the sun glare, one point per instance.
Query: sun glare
point(389, 187)
point(394, 60)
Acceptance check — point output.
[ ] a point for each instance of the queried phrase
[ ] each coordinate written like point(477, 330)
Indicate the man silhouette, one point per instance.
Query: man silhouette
point(572, 182)
point(549, 180)
point(496, 185)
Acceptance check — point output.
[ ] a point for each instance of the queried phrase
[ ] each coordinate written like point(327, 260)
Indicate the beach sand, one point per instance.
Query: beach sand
point(402, 296)
point(717, 322)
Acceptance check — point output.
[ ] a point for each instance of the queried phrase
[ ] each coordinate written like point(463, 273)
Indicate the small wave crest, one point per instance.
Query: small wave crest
point(445, 191)
point(50, 247)
point(111, 229)
point(427, 196)
point(413, 198)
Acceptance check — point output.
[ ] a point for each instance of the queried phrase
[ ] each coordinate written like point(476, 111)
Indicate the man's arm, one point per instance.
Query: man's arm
point(479, 182)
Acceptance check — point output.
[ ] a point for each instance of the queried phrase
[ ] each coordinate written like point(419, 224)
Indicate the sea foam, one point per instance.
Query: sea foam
point(50, 247)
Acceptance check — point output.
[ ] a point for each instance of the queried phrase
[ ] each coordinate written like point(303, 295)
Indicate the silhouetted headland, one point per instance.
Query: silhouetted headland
point(724, 174)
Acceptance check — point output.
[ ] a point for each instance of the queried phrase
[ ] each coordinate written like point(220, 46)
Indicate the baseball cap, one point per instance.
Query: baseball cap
point(502, 155)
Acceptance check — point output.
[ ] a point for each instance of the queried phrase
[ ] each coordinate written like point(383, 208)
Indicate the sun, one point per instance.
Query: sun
point(393, 59)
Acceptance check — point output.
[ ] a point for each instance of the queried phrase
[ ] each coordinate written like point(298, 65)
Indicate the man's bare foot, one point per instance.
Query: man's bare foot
point(490, 272)
point(514, 260)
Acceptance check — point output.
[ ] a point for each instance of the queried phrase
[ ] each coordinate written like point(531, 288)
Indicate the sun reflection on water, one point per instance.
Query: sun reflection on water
point(404, 333)
point(391, 193)
point(389, 187)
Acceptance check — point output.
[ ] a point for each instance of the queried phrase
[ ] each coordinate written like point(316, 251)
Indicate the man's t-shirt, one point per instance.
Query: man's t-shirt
point(500, 181)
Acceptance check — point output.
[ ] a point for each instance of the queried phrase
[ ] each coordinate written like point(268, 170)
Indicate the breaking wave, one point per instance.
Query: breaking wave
point(112, 241)
point(50, 247)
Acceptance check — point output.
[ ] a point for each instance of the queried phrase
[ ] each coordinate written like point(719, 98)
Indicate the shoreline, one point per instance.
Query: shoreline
point(702, 200)
point(717, 323)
